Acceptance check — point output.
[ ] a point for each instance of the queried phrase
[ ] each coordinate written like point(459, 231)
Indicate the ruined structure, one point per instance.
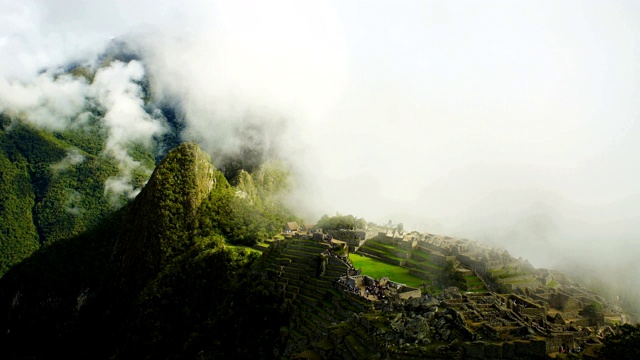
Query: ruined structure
point(377, 289)
point(291, 227)
point(340, 312)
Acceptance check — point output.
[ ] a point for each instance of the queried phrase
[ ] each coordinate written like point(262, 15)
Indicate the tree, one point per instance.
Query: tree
point(623, 343)
point(341, 222)
point(449, 275)
point(400, 227)
point(594, 312)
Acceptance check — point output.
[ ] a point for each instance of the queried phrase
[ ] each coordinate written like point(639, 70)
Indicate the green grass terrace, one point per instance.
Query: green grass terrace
point(239, 247)
point(377, 269)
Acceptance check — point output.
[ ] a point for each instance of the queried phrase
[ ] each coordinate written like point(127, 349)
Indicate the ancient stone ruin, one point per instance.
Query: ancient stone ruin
point(515, 312)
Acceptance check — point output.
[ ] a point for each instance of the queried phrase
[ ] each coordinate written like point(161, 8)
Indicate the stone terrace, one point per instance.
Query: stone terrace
point(328, 323)
point(307, 279)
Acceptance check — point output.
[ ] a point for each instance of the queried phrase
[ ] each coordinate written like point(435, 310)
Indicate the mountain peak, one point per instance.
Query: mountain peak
point(161, 218)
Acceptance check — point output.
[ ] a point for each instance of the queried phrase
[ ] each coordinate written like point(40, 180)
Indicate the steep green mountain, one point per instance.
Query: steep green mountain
point(154, 279)
point(162, 221)
point(51, 189)
point(180, 286)
point(55, 183)
point(59, 183)
point(54, 186)
point(259, 202)
point(18, 238)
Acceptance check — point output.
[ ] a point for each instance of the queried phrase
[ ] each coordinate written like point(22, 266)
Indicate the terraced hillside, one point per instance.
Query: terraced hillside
point(472, 283)
point(386, 252)
point(329, 323)
point(420, 263)
point(299, 268)
point(378, 268)
point(509, 278)
point(417, 261)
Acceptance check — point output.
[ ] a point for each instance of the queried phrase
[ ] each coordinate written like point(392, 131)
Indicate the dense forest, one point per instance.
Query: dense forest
point(150, 279)
point(58, 183)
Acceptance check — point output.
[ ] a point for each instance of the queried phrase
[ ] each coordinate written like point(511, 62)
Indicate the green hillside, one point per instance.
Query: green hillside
point(51, 188)
point(377, 269)
point(158, 260)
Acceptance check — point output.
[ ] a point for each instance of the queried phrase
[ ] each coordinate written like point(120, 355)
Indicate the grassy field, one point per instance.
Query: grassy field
point(378, 269)
point(250, 249)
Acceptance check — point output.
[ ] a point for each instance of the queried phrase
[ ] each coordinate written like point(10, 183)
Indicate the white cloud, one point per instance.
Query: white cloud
point(73, 202)
point(235, 63)
point(73, 158)
point(56, 102)
point(48, 101)
point(116, 89)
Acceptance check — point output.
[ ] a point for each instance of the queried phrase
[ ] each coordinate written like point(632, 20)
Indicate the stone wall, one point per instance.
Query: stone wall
point(532, 311)
point(353, 238)
point(401, 254)
point(535, 349)
point(428, 247)
point(564, 302)
point(407, 292)
point(356, 280)
point(554, 343)
point(408, 245)
point(439, 258)
point(472, 263)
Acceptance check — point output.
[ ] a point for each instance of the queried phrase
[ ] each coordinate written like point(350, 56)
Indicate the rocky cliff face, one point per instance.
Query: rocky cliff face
point(160, 222)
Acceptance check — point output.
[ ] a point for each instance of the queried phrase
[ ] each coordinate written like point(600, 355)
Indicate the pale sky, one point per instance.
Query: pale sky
point(506, 121)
